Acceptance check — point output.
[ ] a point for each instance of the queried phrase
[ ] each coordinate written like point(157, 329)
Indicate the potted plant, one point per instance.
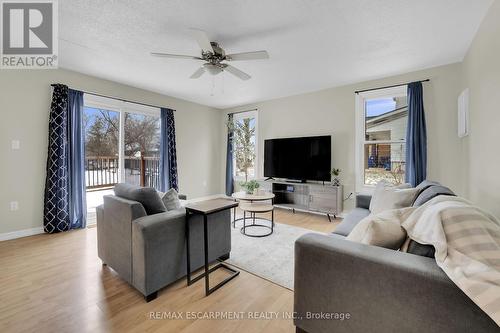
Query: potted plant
point(250, 186)
point(336, 179)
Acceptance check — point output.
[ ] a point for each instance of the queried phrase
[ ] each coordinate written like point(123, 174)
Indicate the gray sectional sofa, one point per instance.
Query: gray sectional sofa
point(379, 289)
point(149, 250)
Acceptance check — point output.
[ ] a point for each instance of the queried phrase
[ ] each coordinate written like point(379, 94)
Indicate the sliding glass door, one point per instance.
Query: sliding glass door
point(122, 145)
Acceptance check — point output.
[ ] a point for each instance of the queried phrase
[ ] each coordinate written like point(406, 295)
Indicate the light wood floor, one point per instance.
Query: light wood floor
point(56, 283)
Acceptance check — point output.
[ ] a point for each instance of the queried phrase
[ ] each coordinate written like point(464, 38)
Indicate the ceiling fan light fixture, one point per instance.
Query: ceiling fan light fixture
point(213, 55)
point(212, 69)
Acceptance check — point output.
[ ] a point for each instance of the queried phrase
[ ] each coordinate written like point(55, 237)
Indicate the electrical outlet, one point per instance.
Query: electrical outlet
point(14, 205)
point(16, 144)
point(204, 183)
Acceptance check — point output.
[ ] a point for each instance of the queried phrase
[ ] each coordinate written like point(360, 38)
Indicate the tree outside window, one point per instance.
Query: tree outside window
point(244, 147)
point(102, 133)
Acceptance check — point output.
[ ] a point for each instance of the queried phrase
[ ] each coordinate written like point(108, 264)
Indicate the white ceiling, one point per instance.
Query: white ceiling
point(313, 44)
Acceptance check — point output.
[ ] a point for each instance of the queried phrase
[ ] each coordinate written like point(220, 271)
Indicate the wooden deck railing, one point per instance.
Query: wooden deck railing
point(102, 171)
point(144, 171)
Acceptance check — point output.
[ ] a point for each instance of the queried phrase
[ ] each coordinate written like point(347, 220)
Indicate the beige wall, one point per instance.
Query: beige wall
point(24, 106)
point(332, 111)
point(481, 74)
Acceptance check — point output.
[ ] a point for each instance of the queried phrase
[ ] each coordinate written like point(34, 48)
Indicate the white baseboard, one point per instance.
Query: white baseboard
point(21, 233)
point(208, 197)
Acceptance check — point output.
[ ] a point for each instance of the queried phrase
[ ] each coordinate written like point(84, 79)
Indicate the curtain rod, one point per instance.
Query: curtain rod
point(386, 87)
point(242, 111)
point(118, 99)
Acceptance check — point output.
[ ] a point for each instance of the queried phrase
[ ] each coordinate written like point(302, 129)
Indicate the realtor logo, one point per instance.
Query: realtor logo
point(29, 34)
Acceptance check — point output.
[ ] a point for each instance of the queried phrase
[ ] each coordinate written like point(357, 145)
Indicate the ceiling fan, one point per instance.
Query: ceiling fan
point(213, 55)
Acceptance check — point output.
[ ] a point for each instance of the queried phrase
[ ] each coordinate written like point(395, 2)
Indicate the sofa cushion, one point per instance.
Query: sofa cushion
point(147, 196)
point(383, 229)
point(170, 199)
point(350, 221)
point(387, 197)
point(431, 192)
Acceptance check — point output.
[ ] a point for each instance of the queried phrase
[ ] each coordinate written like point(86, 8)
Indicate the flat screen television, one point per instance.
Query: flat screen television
point(305, 158)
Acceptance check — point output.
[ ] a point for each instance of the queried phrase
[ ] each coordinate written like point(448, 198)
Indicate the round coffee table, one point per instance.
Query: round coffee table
point(257, 208)
point(251, 198)
point(243, 196)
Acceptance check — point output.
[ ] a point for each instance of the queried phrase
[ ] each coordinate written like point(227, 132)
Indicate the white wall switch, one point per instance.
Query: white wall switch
point(16, 144)
point(204, 183)
point(14, 205)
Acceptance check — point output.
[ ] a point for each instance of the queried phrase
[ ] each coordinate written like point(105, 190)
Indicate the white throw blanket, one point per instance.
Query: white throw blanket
point(467, 243)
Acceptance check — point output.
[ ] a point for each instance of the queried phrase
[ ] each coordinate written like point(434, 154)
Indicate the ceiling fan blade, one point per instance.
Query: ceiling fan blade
point(175, 56)
point(256, 55)
point(199, 72)
point(236, 72)
point(202, 39)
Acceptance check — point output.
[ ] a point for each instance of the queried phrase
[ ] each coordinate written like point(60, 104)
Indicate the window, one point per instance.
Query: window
point(382, 118)
point(245, 145)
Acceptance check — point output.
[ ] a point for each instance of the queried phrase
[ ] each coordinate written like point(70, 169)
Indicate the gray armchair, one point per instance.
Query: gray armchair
point(149, 251)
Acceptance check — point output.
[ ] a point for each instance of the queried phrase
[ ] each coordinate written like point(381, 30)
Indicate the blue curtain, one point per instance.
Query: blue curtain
point(76, 160)
point(64, 199)
point(168, 152)
point(229, 157)
point(416, 136)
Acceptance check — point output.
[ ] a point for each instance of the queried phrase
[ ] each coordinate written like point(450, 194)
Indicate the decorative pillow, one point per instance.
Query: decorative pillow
point(147, 196)
point(401, 186)
point(431, 192)
point(387, 197)
point(426, 184)
point(383, 229)
point(171, 199)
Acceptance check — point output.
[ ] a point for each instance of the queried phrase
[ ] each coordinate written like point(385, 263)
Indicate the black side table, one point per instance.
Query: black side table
point(206, 208)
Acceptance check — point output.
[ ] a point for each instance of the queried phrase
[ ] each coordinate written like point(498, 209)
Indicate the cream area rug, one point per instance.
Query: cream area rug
point(271, 257)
